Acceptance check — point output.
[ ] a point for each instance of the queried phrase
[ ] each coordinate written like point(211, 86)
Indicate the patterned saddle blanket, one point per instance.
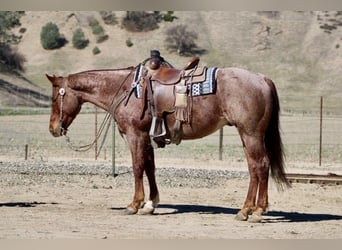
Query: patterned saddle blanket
point(199, 81)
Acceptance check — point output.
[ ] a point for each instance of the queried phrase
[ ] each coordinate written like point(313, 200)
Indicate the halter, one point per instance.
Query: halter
point(61, 92)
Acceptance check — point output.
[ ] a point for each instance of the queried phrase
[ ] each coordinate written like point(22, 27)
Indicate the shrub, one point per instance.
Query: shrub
point(96, 50)
point(129, 42)
point(140, 21)
point(98, 31)
point(96, 27)
point(11, 59)
point(109, 17)
point(180, 40)
point(102, 38)
point(50, 37)
point(169, 17)
point(78, 39)
point(22, 30)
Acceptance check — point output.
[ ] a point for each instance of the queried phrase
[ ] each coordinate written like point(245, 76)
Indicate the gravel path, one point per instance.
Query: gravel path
point(169, 177)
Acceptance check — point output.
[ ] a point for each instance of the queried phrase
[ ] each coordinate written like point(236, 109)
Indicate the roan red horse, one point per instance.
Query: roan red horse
point(241, 98)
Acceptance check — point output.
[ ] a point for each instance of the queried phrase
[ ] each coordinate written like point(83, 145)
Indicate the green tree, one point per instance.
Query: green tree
point(10, 59)
point(50, 37)
point(78, 39)
point(9, 20)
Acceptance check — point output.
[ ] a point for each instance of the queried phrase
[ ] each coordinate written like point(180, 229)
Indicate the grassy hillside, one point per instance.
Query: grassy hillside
point(300, 51)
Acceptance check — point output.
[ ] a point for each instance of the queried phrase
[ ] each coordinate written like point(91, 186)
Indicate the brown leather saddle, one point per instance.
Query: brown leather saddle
point(171, 76)
point(167, 92)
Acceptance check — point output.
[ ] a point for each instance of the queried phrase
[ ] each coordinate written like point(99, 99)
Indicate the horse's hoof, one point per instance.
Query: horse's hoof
point(241, 217)
point(147, 209)
point(130, 211)
point(254, 218)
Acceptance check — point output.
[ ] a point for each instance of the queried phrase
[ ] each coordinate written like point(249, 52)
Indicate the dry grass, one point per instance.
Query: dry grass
point(300, 57)
point(300, 137)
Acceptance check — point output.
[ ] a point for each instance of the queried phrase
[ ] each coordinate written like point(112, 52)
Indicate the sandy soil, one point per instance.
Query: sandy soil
point(43, 205)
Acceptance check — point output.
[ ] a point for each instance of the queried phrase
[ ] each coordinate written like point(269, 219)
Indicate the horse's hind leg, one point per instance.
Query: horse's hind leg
point(258, 166)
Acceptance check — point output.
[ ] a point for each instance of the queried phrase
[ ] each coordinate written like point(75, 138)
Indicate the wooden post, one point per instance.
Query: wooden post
point(220, 144)
point(26, 151)
point(320, 131)
point(113, 149)
point(95, 145)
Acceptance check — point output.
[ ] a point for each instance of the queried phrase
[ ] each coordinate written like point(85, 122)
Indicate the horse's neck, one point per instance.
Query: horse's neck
point(99, 89)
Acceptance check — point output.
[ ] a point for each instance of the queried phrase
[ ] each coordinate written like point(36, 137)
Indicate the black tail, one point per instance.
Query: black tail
point(273, 142)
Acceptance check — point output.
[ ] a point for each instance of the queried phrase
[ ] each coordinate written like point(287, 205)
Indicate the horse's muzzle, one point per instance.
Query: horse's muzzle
point(57, 130)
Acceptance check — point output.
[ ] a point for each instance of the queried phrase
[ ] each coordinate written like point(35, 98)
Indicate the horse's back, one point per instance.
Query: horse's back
point(244, 79)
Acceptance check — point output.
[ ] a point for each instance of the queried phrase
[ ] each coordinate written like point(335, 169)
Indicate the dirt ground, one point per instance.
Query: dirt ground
point(43, 205)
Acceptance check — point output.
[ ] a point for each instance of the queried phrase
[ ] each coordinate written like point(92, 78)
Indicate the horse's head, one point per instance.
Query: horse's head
point(65, 106)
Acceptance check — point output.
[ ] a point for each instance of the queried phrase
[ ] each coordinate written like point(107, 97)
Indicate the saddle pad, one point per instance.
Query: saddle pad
point(208, 86)
point(136, 81)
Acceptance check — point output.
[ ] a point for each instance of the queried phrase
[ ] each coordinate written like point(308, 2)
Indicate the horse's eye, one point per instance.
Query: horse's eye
point(54, 99)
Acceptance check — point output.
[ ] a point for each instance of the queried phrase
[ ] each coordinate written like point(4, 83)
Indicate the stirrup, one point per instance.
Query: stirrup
point(153, 129)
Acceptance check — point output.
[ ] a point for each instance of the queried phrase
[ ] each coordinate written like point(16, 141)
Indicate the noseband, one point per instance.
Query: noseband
point(61, 92)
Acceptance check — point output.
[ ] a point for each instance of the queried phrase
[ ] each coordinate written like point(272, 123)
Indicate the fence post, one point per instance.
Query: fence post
point(26, 151)
point(320, 131)
point(95, 145)
point(113, 149)
point(220, 144)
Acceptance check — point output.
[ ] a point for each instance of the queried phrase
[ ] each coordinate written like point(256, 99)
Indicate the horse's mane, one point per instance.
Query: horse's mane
point(101, 70)
point(95, 72)
point(75, 78)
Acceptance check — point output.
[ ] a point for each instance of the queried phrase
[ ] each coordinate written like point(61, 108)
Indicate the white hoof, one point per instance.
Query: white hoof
point(148, 208)
point(254, 218)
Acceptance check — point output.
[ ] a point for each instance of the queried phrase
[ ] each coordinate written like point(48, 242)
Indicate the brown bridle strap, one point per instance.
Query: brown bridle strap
point(61, 93)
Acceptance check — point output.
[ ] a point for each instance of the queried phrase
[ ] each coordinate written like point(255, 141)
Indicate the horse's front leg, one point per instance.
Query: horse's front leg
point(137, 144)
point(142, 160)
point(139, 194)
point(153, 201)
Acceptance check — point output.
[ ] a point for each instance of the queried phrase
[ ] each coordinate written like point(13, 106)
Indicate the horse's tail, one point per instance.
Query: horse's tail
point(273, 142)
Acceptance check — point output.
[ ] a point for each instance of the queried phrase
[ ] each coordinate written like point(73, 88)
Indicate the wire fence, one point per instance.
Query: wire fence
point(304, 134)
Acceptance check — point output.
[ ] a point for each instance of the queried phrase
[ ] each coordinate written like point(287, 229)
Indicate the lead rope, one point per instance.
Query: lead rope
point(114, 106)
point(105, 125)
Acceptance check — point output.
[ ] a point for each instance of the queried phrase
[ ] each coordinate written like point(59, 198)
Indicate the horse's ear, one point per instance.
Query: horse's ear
point(51, 78)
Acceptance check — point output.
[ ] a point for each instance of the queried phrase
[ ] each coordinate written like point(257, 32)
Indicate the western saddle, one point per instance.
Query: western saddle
point(171, 76)
point(167, 91)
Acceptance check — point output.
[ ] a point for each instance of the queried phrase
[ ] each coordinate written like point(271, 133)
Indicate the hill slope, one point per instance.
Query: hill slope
point(300, 51)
